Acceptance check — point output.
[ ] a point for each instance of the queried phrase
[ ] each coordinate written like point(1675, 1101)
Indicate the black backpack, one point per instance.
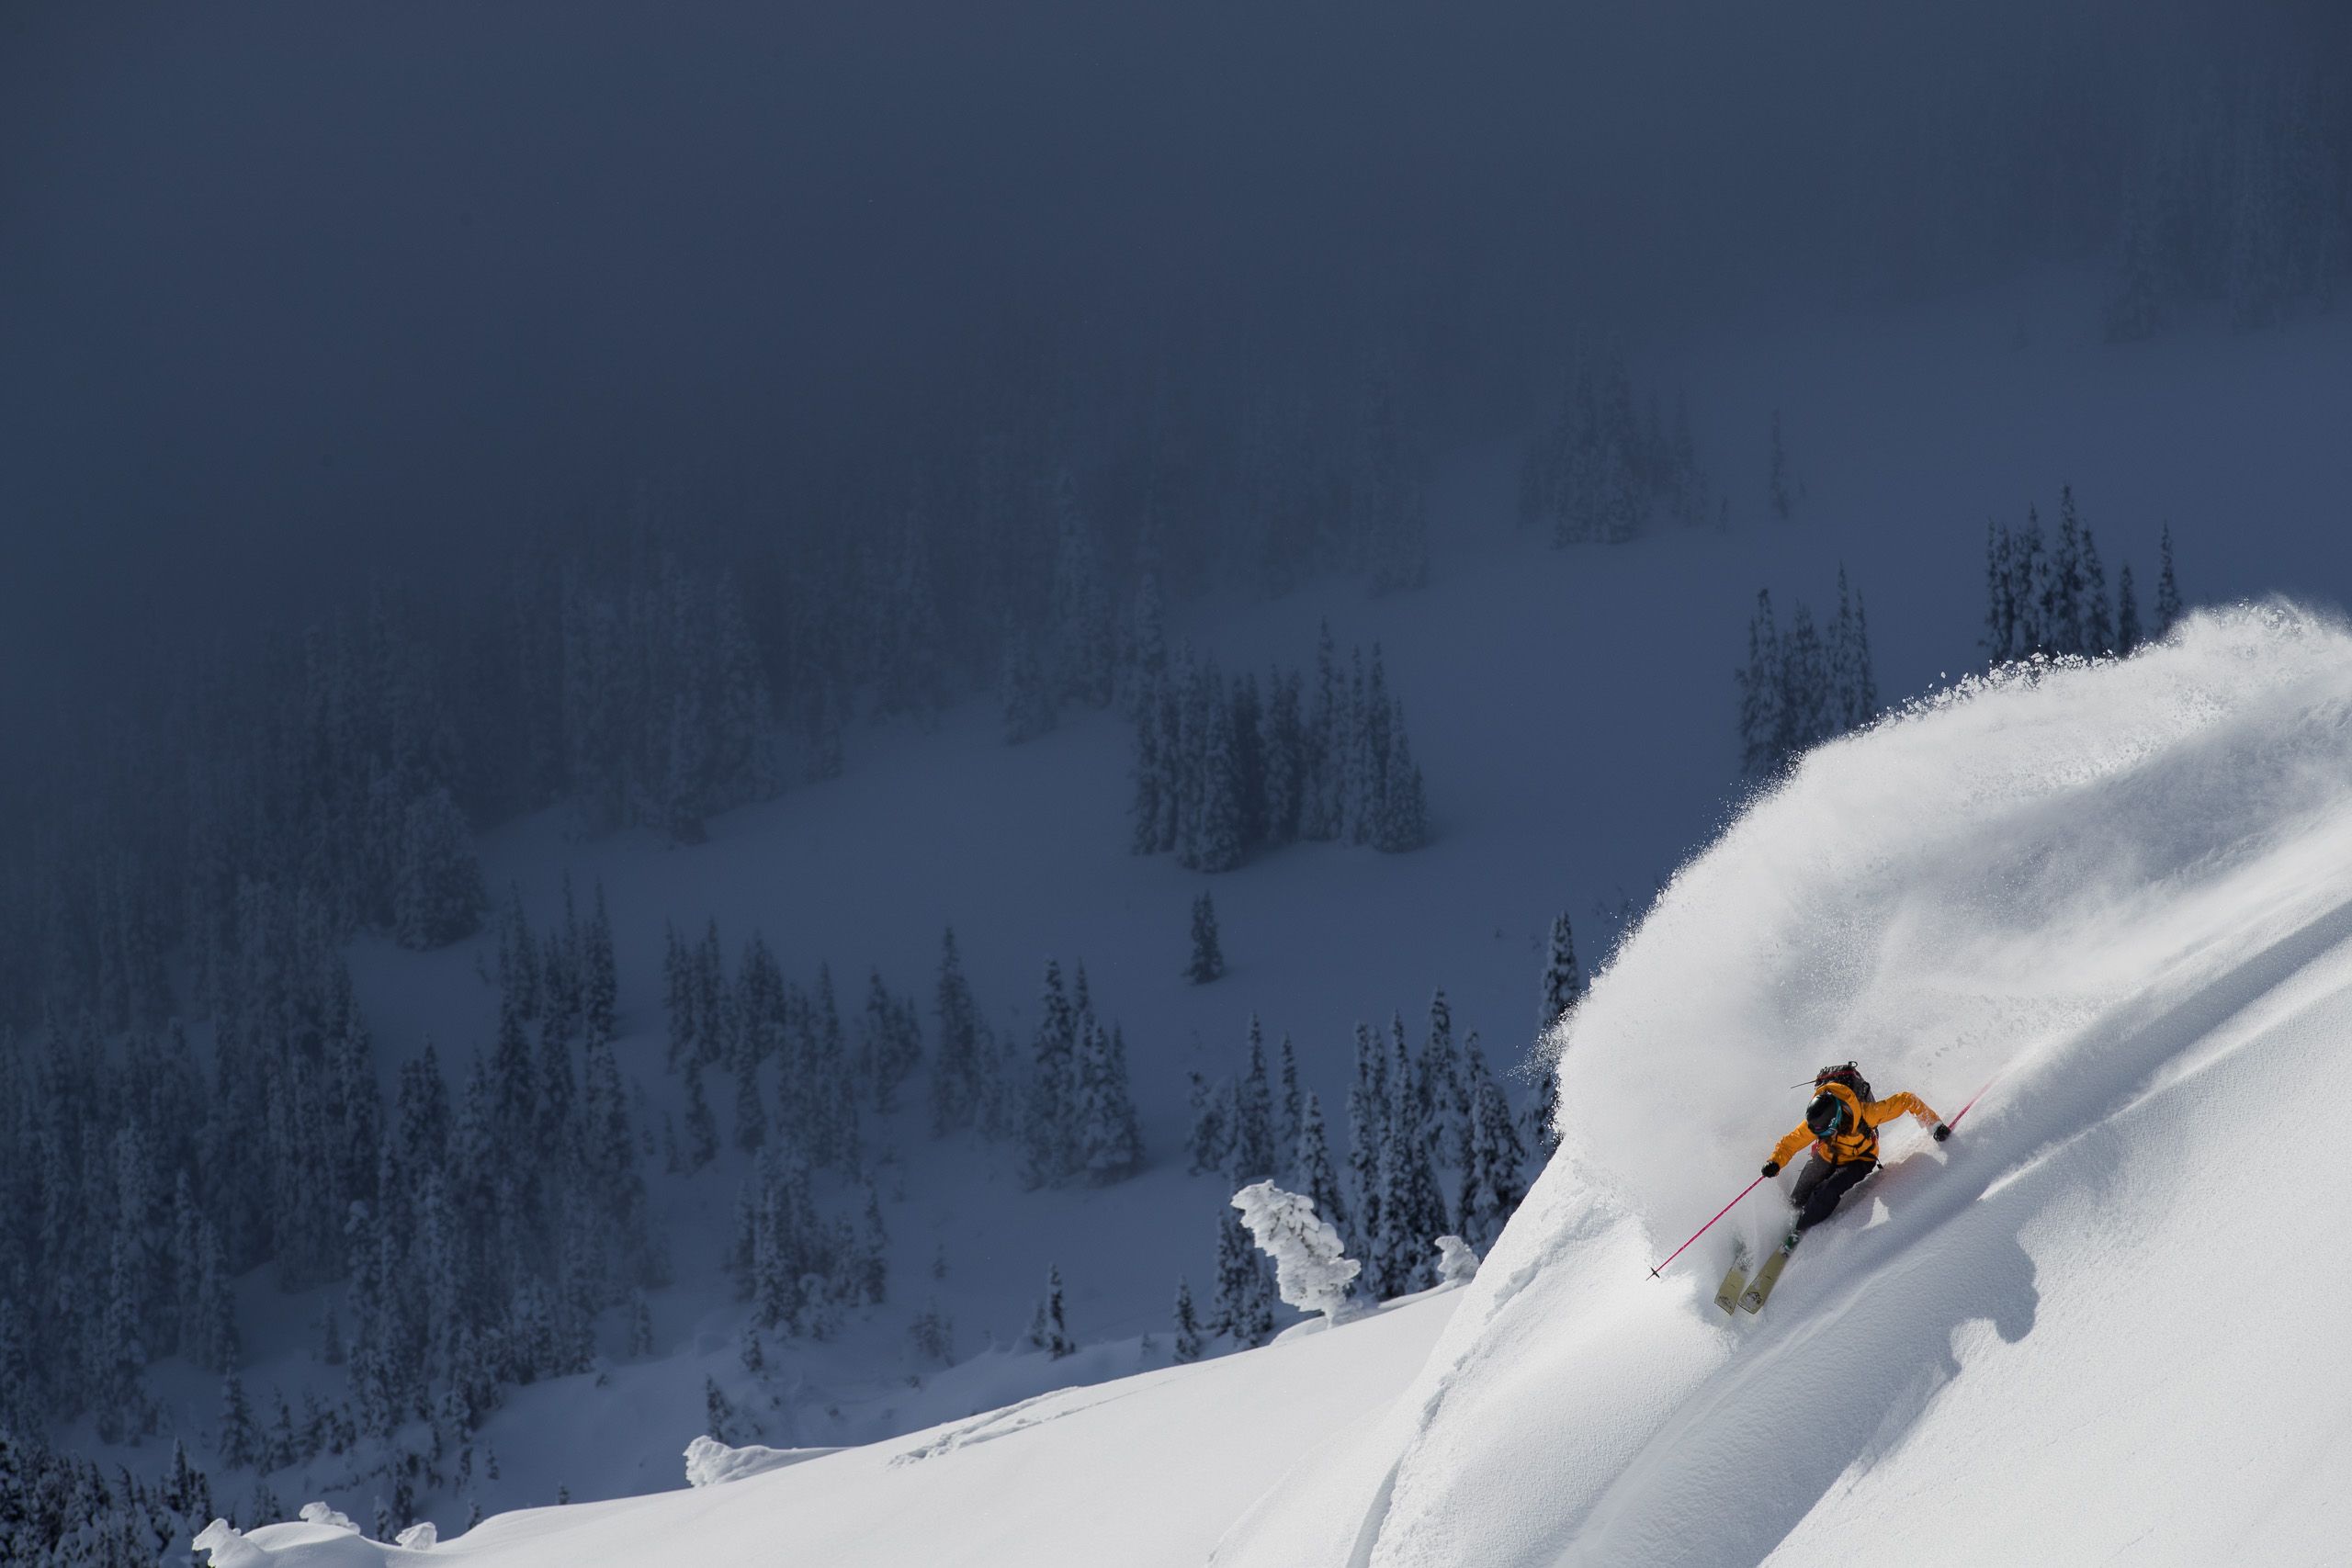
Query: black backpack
point(1847, 1073)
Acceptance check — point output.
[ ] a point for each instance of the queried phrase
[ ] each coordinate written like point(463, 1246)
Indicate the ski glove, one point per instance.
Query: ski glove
point(1771, 1168)
point(1942, 1132)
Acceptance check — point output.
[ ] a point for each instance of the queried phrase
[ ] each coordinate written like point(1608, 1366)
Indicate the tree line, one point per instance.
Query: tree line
point(1801, 686)
point(656, 664)
point(1608, 464)
point(2048, 598)
point(480, 1229)
point(1224, 768)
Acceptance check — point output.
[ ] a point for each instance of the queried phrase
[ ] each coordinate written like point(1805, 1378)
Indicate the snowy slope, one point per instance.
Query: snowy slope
point(2101, 1324)
point(2098, 1326)
point(1573, 712)
point(1144, 1470)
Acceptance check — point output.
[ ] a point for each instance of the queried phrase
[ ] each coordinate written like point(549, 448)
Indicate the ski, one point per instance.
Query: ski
point(1735, 1282)
point(1760, 1290)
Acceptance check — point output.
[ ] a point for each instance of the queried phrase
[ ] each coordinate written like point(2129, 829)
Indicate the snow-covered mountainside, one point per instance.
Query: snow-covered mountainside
point(1573, 710)
point(2115, 899)
point(2100, 1321)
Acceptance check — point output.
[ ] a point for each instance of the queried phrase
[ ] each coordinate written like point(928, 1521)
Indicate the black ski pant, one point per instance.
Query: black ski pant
point(1820, 1185)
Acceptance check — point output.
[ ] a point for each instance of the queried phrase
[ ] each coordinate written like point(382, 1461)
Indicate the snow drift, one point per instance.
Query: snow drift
point(2101, 1321)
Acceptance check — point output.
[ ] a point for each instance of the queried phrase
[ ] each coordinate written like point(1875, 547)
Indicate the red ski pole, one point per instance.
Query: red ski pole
point(1711, 1223)
point(1954, 1122)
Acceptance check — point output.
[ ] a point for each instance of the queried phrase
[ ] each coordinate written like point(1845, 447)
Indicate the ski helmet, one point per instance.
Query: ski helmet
point(1824, 1115)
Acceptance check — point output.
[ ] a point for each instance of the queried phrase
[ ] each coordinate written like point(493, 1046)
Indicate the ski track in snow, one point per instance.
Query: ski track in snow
point(1011, 1420)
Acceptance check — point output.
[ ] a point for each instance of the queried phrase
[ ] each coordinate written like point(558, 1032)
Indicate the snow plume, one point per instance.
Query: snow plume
point(1309, 1271)
point(2121, 896)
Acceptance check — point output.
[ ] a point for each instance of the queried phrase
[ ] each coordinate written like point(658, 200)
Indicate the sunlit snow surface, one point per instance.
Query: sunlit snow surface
point(2103, 1324)
point(2100, 1325)
point(1147, 1470)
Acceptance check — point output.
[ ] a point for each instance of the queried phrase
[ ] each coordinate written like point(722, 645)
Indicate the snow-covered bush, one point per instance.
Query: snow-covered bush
point(1310, 1269)
point(227, 1546)
point(1457, 1260)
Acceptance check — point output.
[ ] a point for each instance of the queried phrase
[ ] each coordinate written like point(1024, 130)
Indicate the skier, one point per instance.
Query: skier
point(1842, 1123)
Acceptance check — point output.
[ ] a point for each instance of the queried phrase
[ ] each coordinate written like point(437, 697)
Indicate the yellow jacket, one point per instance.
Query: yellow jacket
point(1864, 1119)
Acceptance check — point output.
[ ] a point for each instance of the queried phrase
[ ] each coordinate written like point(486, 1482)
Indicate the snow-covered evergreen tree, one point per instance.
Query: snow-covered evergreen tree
point(1441, 1089)
point(750, 1115)
point(1046, 1124)
point(1221, 836)
point(959, 1069)
point(1288, 1107)
point(1109, 1140)
point(1311, 1271)
point(1048, 1330)
point(2060, 600)
point(1244, 1309)
point(892, 1041)
point(1368, 1122)
point(238, 1440)
point(2097, 630)
point(932, 1335)
point(1761, 723)
point(679, 996)
point(600, 982)
point(1188, 1345)
point(1799, 688)
point(1853, 688)
point(1404, 808)
point(1311, 1169)
point(702, 1126)
point(1412, 1210)
point(1208, 957)
point(1806, 702)
point(1254, 1156)
point(1210, 1142)
point(1492, 1182)
point(2000, 637)
point(719, 1413)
